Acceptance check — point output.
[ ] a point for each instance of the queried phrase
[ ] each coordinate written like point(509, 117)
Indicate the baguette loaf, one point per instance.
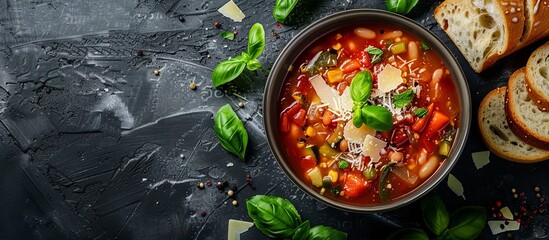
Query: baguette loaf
point(488, 30)
point(537, 77)
point(496, 133)
point(524, 118)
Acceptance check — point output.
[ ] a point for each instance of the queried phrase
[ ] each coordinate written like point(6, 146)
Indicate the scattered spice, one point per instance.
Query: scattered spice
point(235, 32)
point(139, 53)
point(156, 72)
point(200, 185)
point(235, 203)
point(537, 189)
point(182, 156)
point(249, 181)
point(192, 86)
point(203, 213)
point(230, 193)
point(241, 105)
point(209, 182)
point(275, 34)
point(513, 190)
point(217, 24)
point(181, 18)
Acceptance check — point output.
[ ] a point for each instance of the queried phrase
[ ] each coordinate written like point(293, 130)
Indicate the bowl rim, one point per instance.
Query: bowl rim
point(284, 61)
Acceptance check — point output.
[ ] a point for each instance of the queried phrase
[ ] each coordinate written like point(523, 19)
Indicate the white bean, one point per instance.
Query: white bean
point(437, 75)
point(422, 157)
point(365, 33)
point(429, 167)
point(393, 34)
point(412, 50)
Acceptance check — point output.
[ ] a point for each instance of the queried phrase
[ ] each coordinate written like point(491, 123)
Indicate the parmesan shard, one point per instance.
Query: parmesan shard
point(372, 147)
point(326, 94)
point(481, 159)
point(506, 213)
point(231, 10)
point(346, 100)
point(236, 227)
point(356, 135)
point(389, 78)
point(455, 185)
point(499, 226)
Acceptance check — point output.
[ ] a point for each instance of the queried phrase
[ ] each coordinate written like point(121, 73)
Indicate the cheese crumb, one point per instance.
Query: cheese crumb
point(231, 10)
point(499, 226)
point(481, 159)
point(389, 78)
point(455, 185)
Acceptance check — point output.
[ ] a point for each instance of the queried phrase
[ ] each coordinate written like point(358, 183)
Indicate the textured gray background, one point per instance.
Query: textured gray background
point(90, 138)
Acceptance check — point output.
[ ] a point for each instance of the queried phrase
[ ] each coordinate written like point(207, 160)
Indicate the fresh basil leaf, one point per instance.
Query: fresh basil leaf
point(435, 214)
point(256, 40)
point(403, 99)
point(361, 87)
point(323, 233)
point(466, 223)
point(410, 5)
point(420, 112)
point(302, 231)
point(375, 54)
point(230, 131)
point(246, 57)
point(228, 70)
point(383, 181)
point(253, 64)
point(282, 9)
point(425, 46)
point(409, 234)
point(397, 6)
point(377, 117)
point(357, 117)
point(227, 35)
point(273, 216)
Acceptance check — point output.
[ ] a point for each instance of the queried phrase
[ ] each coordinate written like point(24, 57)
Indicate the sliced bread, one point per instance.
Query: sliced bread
point(496, 133)
point(484, 31)
point(537, 77)
point(524, 118)
point(536, 24)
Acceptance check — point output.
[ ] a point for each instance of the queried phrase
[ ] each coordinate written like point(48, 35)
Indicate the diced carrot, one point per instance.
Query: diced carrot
point(284, 122)
point(438, 122)
point(422, 122)
point(334, 76)
point(300, 117)
point(355, 184)
point(349, 65)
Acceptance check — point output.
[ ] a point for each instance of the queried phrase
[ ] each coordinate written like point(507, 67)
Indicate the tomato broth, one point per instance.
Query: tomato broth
point(381, 160)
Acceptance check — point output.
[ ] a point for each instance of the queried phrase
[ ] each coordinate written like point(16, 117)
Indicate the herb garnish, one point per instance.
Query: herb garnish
point(227, 35)
point(231, 132)
point(278, 218)
point(375, 53)
point(401, 6)
point(403, 99)
point(282, 9)
point(376, 117)
point(420, 112)
point(425, 46)
point(230, 69)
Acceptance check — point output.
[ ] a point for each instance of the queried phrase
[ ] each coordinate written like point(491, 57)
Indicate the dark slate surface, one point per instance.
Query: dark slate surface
point(91, 139)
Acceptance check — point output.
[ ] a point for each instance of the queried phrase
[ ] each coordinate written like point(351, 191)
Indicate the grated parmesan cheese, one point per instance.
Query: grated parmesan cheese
point(326, 94)
point(372, 147)
point(231, 10)
point(389, 78)
point(356, 135)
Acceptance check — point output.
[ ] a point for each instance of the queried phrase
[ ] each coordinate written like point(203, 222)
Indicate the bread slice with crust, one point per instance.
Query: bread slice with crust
point(537, 77)
point(496, 133)
point(483, 30)
point(536, 24)
point(524, 118)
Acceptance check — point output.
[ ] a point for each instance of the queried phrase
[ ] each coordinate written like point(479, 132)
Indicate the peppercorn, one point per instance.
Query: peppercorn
point(219, 185)
point(235, 203)
point(241, 105)
point(192, 86)
point(537, 189)
point(513, 190)
point(235, 32)
point(156, 72)
point(139, 53)
point(209, 182)
point(230, 193)
point(182, 156)
point(181, 18)
point(200, 185)
point(203, 213)
point(538, 195)
point(217, 24)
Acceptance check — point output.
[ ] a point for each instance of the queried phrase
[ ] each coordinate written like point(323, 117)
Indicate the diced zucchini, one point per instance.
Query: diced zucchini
point(408, 177)
point(311, 152)
point(444, 148)
point(315, 176)
point(327, 151)
point(398, 47)
point(337, 135)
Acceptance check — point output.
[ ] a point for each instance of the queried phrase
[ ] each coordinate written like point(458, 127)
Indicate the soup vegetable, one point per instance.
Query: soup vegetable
point(367, 114)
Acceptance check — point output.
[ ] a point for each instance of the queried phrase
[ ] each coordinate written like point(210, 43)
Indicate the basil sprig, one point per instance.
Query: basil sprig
point(230, 69)
point(282, 9)
point(403, 99)
point(278, 218)
point(466, 223)
point(401, 6)
point(375, 53)
point(420, 112)
point(231, 132)
point(375, 117)
point(435, 215)
point(227, 35)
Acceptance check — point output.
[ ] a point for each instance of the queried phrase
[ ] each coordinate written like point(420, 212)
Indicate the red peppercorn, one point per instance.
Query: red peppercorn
point(217, 24)
point(498, 203)
point(203, 213)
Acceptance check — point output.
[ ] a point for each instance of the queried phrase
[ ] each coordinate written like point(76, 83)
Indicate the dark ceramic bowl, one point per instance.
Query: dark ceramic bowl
point(336, 21)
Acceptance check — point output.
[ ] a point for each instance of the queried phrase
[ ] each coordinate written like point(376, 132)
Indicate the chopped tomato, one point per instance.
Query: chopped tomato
point(303, 85)
point(438, 122)
point(365, 60)
point(355, 184)
point(307, 163)
point(349, 65)
point(422, 122)
point(284, 122)
point(399, 137)
point(293, 109)
point(300, 117)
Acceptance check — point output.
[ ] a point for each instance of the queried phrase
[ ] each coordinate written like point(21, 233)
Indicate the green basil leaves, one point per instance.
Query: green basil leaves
point(277, 218)
point(230, 131)
point(435, 215)
point(375, 117)
point(401, 6)
point(420, 112)
point(375, 53)
point(282, 9)
point(466, 223)
point(227, 35)
point(403, 99)
point(273, 216)
point(230, 69)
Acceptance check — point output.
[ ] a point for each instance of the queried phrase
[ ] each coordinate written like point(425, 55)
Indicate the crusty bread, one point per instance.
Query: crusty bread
point(537, 77)
point(488, 30)
point(524, 118)
point(496, 133)
point(483, 31)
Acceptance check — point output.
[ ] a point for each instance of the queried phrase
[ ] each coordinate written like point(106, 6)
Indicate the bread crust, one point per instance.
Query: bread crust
point(536, 22)
point(497, 148)
point(536, 94)
point(515, 124)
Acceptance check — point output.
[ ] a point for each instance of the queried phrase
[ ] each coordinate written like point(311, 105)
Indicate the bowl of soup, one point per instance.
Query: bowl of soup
point(366, 110)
